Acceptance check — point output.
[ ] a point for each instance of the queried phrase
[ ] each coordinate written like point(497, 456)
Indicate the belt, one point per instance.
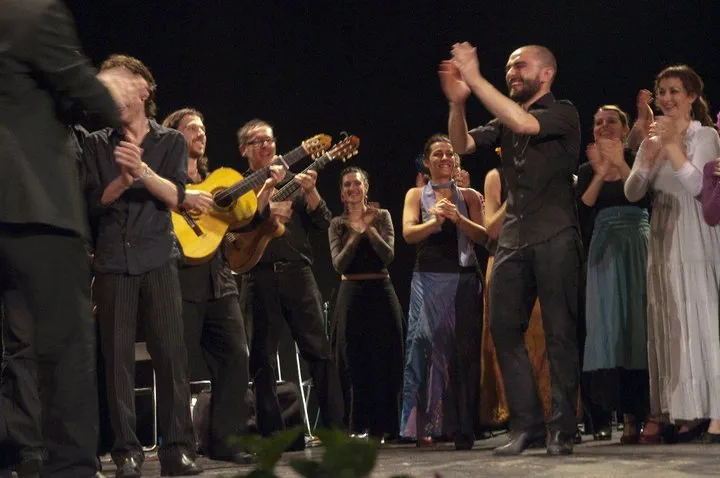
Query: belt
point(280, 266)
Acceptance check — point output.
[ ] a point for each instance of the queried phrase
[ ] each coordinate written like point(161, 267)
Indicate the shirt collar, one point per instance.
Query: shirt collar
point(543, 102)
point(155, 130)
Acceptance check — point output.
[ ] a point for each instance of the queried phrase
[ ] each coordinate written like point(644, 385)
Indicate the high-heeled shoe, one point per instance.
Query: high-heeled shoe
point(425, 442)
point(693, 432)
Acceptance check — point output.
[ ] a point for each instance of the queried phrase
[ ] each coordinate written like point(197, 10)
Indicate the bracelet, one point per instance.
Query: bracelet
point(145, 174)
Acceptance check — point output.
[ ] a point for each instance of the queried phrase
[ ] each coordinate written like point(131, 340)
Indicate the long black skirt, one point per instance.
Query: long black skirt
point(367, 339)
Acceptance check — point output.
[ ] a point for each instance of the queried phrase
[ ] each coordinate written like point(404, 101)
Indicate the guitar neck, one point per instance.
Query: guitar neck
point(258, 177)
point(292, 187)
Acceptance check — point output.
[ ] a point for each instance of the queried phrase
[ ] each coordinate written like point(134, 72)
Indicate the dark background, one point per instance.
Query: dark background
point(369, 67)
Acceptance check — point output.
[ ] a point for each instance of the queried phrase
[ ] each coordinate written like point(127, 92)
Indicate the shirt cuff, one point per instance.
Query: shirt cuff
point(180, 193)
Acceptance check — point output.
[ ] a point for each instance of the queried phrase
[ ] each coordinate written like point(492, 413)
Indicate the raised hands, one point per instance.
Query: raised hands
point(464, 56)
point(123, 85)
point(598, 163)
point(644, 110)
point(612, 151)
point(452, 83)
point(461, 177)
point(361, 224)
point(664, 128)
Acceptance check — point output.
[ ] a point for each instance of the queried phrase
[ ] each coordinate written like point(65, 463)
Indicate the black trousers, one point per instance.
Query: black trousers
point(268, 298)
point(216, 327)
point(550, 270)
point(19, 396)
point(368, 344)
point(155, 297)
point(49, 270)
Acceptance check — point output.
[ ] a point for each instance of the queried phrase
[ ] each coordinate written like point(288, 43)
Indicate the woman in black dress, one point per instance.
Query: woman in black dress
point(367, 323)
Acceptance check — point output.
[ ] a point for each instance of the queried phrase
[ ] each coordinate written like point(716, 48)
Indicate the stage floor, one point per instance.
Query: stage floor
point(591, 459)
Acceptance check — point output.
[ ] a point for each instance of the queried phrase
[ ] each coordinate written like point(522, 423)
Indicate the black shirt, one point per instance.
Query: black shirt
point(612, 193)
point(211, 280)
point(537, 170)
point(134, 234)
point(294, 245)
point(439, 251)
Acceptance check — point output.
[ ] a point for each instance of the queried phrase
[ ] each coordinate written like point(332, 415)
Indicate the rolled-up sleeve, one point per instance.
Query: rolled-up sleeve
point(558, 120)
point(488, 135)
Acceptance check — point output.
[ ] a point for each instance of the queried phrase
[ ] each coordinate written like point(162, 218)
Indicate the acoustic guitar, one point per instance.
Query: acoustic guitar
point(235, 203)
point(244, 249)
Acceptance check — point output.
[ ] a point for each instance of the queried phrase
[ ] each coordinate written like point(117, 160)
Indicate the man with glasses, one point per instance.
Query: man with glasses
point(211, 312)
point(281, 287)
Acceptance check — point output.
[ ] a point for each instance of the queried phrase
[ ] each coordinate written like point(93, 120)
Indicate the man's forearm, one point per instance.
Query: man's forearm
point(114, 190)
point(161, 188)
point(458, 129)
point(506, 110)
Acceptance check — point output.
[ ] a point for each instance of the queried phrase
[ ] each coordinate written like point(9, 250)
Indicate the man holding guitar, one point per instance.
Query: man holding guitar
point(211, 311)
point(281, 287)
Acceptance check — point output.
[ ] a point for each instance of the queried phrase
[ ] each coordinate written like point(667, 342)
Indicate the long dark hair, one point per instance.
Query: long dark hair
point(694, 85)
point(173, 121)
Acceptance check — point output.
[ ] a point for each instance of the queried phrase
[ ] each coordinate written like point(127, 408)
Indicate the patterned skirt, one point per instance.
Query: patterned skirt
point(442, 364)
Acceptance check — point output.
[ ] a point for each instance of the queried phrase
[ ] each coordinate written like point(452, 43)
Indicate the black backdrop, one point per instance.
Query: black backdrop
point(369, 67)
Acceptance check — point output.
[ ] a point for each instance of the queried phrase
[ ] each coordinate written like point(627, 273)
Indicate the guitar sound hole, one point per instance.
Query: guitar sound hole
point(223, 201)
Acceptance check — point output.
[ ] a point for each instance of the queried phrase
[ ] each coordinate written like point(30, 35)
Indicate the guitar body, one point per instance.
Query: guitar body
point(201, 234)
point(244, 249)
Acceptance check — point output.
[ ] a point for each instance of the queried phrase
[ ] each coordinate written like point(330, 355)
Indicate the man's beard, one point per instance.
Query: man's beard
point(528, 90)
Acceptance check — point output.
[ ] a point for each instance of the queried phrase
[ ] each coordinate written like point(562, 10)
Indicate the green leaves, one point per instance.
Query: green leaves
point(344, 457)
point(269, 450)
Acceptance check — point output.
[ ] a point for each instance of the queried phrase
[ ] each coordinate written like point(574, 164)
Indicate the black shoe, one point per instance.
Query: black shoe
point(519, 442)
point(240, 458)
point(603, 434)
point(128, 466)
point(694, 433)
point(179, 464)
point(464, 442)
point(560, 444)
point(577, 438)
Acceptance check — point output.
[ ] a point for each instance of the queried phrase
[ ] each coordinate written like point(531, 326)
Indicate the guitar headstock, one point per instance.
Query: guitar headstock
point(317, 144)
point(345, 149)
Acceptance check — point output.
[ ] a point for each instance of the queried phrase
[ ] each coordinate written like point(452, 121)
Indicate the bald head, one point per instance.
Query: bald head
point(543, 55)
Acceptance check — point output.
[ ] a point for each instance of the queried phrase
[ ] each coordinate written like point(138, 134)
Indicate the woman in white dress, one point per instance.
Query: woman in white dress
point(684, 259)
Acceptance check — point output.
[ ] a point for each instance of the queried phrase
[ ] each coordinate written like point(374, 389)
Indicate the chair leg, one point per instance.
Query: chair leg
point(303, 396)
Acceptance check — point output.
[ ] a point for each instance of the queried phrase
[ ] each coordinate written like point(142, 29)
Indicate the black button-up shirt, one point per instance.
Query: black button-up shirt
point(134, 234)
point(538, 172)
point(209, 281)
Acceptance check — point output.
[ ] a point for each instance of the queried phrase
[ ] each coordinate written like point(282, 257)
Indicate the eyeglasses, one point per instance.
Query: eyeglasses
point(261, 141)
